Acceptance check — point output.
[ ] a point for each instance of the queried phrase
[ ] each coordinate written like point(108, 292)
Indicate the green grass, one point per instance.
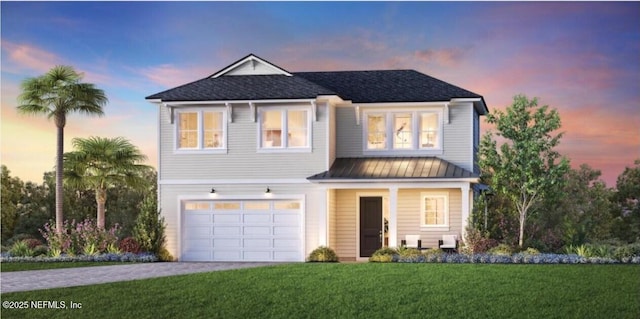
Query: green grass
point(6, 267)
point(365, 290)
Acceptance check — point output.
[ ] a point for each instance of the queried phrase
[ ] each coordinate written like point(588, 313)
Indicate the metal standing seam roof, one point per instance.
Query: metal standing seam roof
point(392, 168)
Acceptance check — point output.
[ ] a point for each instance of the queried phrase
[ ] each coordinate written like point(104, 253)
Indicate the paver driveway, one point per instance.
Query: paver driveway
point(68, 277)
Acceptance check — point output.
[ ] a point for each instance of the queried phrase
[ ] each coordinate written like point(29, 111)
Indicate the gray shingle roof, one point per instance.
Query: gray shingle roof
point(387, 86)
point(244, 87)
point(357, 86)
point(392, 168)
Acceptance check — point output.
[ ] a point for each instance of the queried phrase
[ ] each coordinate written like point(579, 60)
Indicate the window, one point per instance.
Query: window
point(200, 130)
point(429, 130)
point(410, 130)
point(402, 124)
point(284, 128)
point(376, 132)
point(435, 210)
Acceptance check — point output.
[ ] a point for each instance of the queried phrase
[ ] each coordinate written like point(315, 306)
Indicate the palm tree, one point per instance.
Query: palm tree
point(56, 94)
point(100, 163)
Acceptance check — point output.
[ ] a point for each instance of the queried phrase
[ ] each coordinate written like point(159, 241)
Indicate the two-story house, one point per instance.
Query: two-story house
point(257, 163)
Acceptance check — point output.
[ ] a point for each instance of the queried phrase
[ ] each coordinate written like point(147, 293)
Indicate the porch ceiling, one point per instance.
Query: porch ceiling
point(392, 168)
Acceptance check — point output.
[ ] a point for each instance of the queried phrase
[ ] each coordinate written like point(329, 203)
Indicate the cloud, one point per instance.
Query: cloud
point(169, 75)
point(25, 56)
point(449, 57)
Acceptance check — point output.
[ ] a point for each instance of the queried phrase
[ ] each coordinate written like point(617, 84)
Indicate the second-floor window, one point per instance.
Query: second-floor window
point(411, 130)
point(200, 130)
point(284, 128)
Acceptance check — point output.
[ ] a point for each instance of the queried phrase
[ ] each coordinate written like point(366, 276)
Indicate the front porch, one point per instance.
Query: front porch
point(360, 218)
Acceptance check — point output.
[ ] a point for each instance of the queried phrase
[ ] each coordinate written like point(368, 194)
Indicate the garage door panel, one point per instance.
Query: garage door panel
point(198, 256)
point(226, 218)
point(285, 231)
point(198, 244)
point(286, 219)
point(227, 243)
point(227, 255)
point(197, 219)
point(199, 232)
point(257, 242)
point(257, 255)
point(226, 230)
point(257, 230)
point(257, 218)
point(286, 243)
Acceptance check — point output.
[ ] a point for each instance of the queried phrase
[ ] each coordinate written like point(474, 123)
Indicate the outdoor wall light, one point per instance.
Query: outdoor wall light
point(213, 191)
point(268, 191)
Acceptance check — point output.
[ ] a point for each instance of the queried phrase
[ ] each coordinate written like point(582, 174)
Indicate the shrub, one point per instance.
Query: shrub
point(433, 251)
point(149, 228)
point(408, 252)
point(627, 252)
point(165, 255)
point(40, 250)
point(323, 254)
point(129, 245)
point(33, 243)
point(16, 238)
point(384, 254)
point(531, 251)
point(21, 249)
point(502, 249)
point(477, 242)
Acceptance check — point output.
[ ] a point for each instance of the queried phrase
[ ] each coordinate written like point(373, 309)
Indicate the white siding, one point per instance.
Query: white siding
point(458, 138)
point(242, 159)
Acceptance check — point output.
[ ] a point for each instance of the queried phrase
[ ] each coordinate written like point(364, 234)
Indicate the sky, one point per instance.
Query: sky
point(581, 58)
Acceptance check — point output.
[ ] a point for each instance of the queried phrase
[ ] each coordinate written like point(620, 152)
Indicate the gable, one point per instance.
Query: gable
point(251, 65)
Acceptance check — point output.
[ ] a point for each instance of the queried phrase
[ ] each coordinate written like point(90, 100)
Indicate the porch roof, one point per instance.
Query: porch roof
point(392, 168)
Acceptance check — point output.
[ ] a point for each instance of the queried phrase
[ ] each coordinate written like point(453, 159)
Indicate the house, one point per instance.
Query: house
point(257, 163)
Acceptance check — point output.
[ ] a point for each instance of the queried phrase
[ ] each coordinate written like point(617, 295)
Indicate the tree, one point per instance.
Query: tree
point(526, 165)
point(11, 193)
point(102, 163)
point(627, 202)
point(56, 94)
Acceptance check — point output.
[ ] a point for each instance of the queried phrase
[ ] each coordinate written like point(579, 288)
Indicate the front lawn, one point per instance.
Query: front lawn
point(366, 290)
point(5, 267)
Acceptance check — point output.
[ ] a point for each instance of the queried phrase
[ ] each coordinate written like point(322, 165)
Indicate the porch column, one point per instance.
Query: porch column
point(465, 209)
point(393, 216)
point(323, 211)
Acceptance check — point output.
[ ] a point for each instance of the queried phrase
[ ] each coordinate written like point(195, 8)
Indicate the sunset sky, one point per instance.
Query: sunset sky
point(582, 58)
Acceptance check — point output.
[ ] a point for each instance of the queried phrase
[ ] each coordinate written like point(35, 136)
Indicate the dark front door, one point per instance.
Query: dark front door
point(370, 225)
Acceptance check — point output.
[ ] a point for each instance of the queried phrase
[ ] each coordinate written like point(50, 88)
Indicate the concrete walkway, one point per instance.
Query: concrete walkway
point(68, 277)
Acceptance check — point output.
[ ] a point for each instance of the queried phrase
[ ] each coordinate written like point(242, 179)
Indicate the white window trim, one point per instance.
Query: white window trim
point(415, 126)
point(200, 149)
point(284, 149)
point(423, 225)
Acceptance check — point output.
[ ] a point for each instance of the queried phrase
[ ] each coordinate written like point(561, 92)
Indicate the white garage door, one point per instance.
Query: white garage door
point(244, 230)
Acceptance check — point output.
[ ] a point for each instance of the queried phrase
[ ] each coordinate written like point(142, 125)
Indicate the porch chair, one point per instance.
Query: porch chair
point(411, 241)
point(448, 243)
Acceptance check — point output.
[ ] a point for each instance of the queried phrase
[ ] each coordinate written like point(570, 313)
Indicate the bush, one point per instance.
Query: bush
point(21, 249)
point(627, 253)
point(149, 228)
point(323, 254)
point(129, 245)
point(383, 255)
point(502, 249)
point(433, 251)
point(40, 250)
point(16, 238)
point(408, 252)
point(477, 242)
point(531, 251)
point(165, 255)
